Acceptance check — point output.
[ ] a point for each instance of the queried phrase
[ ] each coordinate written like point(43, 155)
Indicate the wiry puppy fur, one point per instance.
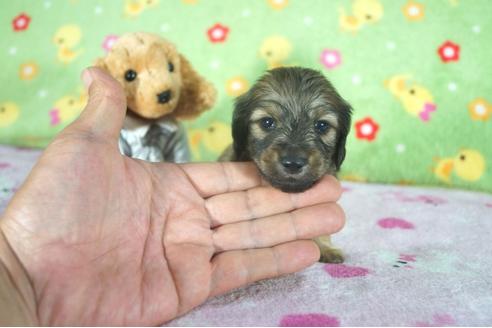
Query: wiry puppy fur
point(293, 124)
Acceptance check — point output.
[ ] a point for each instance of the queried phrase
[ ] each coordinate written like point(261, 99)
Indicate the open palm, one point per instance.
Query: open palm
point(105, 239)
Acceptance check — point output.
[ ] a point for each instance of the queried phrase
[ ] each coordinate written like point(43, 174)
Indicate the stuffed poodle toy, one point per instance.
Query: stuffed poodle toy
point(161, 88)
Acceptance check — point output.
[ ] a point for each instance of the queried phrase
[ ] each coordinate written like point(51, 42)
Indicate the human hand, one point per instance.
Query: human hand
point(96, 238)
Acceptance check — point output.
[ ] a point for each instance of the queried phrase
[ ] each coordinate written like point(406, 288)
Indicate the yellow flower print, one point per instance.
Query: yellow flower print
point(278, 4)
point(413, 11)
point(28, 71)
point(480, 109)
point(236, 86)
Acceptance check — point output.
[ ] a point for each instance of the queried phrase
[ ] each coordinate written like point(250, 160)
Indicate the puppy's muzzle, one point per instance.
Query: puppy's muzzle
point(293, 160)
point(164, 97)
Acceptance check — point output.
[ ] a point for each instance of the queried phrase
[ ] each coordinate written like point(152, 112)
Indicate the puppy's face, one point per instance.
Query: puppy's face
point(293, 124)
point(149, 72)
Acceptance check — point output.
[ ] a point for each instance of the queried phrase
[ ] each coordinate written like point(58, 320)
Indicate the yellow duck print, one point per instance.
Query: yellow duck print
point(416, 99)
point(468, 164)
point(275, 50)
point(133, 8)
point(67, 38)
point(9, 113)
point(215, 138)
point(67, 108)
point(363, 12)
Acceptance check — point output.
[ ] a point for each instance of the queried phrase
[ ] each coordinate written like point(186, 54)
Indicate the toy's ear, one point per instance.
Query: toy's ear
point(99, 62)
point(196, 96)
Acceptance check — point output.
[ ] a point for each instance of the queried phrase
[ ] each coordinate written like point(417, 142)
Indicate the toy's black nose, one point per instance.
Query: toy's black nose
point(293, 164)
point(164, 97)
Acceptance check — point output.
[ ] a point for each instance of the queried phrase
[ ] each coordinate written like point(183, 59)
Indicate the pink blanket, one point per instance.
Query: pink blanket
point(415, 257)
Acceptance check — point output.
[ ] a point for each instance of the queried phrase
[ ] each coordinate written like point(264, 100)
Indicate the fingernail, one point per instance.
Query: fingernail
point(87, 77)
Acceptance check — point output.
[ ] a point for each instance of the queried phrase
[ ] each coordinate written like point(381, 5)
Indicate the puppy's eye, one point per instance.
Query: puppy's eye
point(130, 75)
point(170, 67)
point(267, 123)
point(321, 127)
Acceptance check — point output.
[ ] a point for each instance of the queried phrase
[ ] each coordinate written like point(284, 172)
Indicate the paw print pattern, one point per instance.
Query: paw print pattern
point(395, 223)
point(309, 320)
point(345, 271)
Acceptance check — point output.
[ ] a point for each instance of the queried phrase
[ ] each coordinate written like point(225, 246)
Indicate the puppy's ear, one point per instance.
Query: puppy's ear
point(240, 127)
point(344, 119)
point(197, 95)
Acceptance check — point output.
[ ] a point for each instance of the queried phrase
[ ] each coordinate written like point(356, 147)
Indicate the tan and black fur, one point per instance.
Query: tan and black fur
point(293, 124)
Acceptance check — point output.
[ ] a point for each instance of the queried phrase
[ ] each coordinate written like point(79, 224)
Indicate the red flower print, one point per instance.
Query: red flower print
point(21, 22)
point(449, 51)
point(366, 129)
point(217, 33)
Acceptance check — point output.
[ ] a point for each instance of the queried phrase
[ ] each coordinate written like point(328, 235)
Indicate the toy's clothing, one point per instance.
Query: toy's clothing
point(161, 141)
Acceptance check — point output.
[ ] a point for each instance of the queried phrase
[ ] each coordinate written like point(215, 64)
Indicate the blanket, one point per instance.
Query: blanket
point(414, 257)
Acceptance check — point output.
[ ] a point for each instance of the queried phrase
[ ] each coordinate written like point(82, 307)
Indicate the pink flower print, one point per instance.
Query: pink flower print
point(331, 58)
point(426, 111)
point(109, 41)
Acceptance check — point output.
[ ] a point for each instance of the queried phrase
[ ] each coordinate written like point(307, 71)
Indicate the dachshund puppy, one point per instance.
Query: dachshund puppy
point(293, 124)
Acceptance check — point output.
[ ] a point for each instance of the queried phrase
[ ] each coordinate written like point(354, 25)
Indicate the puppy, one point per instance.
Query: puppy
point(293, 125)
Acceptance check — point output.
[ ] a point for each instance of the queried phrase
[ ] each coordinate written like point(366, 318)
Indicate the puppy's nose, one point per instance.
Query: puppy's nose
point(164, 97)
point(293, 164)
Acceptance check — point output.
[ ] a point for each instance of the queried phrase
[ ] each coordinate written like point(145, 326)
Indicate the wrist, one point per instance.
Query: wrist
point(17, 298)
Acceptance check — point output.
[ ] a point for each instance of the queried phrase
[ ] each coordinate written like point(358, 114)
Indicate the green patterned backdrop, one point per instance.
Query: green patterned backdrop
point(416, 72)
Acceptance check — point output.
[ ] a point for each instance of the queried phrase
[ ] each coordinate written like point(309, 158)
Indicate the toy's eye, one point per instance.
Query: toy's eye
point(322, 127)
point(130, 75)
point(267, 123)
point(170, 67)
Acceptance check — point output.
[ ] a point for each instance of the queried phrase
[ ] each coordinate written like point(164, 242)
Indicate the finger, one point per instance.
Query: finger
point(216, 178)
point(105, 111)
point(234, 269)
point(305, 223)
point(265, 201)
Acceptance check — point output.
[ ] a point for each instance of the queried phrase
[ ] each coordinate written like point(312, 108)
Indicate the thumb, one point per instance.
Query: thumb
point(105, 110)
